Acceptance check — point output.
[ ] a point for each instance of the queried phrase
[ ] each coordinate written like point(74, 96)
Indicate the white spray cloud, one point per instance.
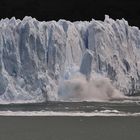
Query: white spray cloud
point(98, 88)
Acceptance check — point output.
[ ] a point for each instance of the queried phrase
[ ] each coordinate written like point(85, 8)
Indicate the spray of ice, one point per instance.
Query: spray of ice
point(78, 88)
point(85, 86)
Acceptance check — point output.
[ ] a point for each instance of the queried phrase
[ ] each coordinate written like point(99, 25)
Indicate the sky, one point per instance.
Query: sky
point(72, 10)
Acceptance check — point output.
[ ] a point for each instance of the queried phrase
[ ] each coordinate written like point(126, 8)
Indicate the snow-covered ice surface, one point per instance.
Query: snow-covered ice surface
point(38, 58)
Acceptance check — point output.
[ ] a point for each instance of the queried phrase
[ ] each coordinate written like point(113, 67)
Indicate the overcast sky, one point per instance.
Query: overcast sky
point(72, 10)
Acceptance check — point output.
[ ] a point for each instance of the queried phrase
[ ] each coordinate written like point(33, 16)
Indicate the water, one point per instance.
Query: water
point(129, 107)
point(69, 128)
point(113, 120)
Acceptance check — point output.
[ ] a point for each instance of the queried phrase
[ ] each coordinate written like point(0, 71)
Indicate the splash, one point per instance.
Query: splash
point(85, 86)
point(78, 88)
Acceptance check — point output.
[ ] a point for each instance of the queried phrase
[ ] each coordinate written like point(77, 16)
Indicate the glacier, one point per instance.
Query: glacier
point(37, 57)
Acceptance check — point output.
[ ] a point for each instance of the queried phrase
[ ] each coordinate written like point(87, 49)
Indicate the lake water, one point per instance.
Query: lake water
point(114, 120)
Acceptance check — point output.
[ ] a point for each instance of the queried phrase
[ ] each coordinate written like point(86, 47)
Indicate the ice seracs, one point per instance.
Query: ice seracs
point(34, 56)
point(86, 64)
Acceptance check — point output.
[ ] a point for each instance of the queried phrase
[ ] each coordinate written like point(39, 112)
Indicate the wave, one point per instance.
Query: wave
point(105, 113)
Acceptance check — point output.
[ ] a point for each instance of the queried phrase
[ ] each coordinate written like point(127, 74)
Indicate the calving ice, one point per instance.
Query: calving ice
point(41, 61)
point(85, 86)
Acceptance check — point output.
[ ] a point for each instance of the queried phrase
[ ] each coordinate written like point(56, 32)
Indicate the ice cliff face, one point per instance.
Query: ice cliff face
point(35, 56)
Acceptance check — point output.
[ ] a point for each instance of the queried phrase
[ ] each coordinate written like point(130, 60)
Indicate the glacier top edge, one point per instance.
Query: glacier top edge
point(14, 21)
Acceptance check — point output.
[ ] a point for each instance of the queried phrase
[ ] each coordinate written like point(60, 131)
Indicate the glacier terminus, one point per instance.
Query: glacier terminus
point(41, 61)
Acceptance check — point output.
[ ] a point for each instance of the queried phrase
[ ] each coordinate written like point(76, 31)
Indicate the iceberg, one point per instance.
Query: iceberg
point(37, 57)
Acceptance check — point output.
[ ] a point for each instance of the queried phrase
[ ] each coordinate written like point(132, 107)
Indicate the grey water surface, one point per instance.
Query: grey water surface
point(72, 127)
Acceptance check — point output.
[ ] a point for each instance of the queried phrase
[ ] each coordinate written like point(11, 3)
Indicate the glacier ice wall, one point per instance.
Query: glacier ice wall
point(35, 56)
